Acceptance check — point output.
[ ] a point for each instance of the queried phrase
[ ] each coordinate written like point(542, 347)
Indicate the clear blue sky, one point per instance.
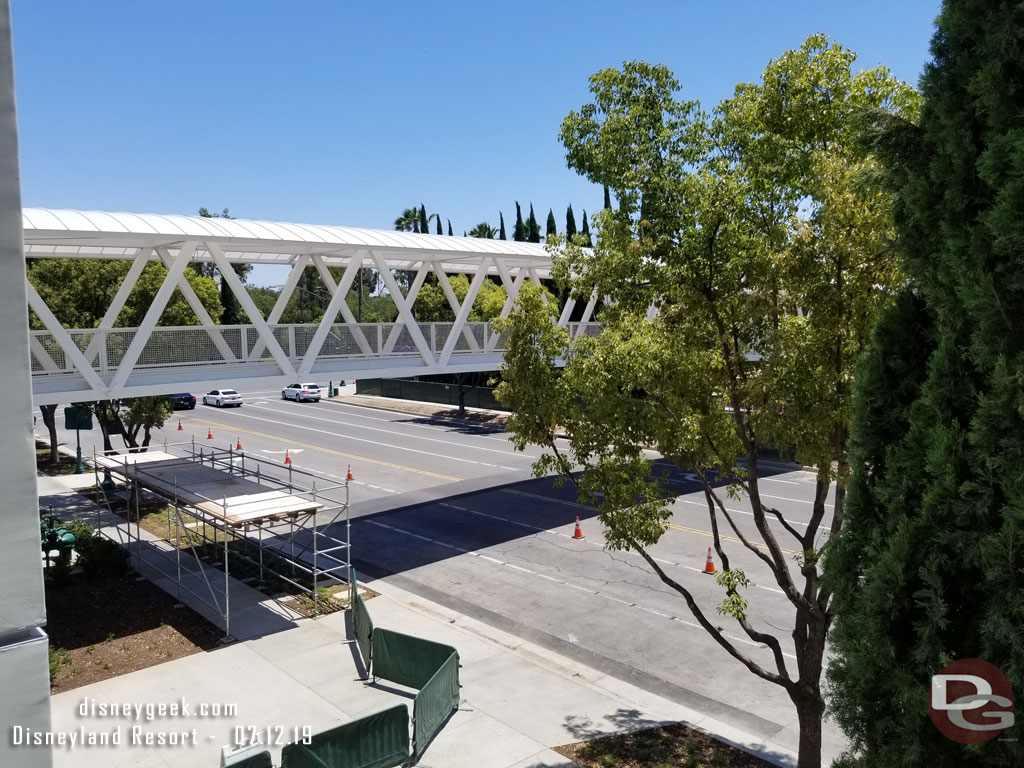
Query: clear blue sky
point(337, 112)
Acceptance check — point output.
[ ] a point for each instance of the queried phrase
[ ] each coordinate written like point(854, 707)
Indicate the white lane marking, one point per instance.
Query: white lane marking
point(402, 414)
point(384, 445)
point(661, 560)
point(424, 538)
point(770, 518)
point(581, 588)
point(777, 480)
point(786, 498)
point(398, 434)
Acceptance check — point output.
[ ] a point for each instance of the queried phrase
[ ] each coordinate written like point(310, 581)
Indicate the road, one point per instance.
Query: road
point(452, 512)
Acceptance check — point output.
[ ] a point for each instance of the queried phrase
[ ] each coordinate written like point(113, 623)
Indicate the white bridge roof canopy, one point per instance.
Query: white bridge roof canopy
point(57, 233)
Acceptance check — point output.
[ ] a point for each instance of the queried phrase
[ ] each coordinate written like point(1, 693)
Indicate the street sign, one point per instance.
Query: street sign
point(77, 417)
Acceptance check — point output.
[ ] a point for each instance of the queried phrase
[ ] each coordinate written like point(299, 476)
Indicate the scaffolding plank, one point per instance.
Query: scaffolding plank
point(231, 499)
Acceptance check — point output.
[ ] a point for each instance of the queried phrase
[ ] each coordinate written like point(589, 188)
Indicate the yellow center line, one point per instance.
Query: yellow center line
point(354, 457)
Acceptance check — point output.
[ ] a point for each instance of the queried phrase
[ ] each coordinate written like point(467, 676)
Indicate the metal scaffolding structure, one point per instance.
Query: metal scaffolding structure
point(288, 525)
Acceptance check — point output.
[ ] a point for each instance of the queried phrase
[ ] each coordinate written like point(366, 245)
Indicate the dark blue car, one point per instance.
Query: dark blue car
point(183, 401)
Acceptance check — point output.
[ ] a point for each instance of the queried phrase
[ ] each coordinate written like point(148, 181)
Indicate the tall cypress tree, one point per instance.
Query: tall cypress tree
point(501, 228)
point(570, 225)
point(519, 233)
point(931, 564)
point(424, 224)
point(607, 199)
point(532, 228)
point(449, 227)
point(551, 228)
point(439, 230)
point(586, 231)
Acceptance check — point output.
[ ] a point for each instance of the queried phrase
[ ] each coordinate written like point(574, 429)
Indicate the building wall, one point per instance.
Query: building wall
point(24, 675)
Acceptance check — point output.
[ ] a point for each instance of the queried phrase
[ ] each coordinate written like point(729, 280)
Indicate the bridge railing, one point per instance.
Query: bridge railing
point(182, 347)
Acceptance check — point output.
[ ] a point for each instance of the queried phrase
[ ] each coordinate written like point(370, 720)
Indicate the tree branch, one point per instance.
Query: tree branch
point(778, 516)
point(782, 680)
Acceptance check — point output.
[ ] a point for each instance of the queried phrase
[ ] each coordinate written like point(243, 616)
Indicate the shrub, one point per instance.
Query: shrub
point(101, 557)
point(59, 657)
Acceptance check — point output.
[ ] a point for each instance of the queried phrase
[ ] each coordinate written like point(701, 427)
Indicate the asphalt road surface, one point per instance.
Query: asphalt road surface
point(452, 512)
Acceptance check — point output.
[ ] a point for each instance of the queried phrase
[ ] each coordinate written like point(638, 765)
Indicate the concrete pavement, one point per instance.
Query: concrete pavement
point(519, 698)
point(503, 557)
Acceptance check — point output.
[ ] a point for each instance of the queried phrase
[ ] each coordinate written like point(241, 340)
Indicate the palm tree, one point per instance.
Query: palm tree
point(483, 229)
point(409, 221)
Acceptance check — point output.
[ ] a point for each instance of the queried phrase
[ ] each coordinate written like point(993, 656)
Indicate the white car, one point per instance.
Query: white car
point(222, 397)
point(300, 392)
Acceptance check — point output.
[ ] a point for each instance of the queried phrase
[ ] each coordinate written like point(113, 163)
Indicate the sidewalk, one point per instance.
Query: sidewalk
point(518, 699)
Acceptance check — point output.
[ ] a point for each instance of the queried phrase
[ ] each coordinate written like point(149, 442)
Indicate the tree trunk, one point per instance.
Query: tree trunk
point(100, 411)
point(49, 412)
point(810, 708)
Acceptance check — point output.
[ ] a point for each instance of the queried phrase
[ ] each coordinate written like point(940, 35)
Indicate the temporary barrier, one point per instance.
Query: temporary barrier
point(405, 659)
point(380, 740)
point(434, 702)
point(430, 392)
point(248, 758)
point(431, 667)
point(362, 624)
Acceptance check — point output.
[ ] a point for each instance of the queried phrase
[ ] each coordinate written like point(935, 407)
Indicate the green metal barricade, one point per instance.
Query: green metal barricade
point(405, 659)
point(435, 701)
point(362, 624)
point(380, 740)
point(249, 760)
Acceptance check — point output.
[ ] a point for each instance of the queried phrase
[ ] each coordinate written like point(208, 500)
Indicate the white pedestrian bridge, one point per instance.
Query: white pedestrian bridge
point(74, 364)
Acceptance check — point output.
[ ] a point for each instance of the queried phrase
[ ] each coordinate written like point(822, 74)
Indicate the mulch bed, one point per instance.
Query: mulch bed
point(663, 747)
point(108, 627)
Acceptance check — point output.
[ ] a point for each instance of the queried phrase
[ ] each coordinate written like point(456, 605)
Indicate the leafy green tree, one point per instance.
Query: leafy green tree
point(432, 306)
point(264, 298)
point(550, 228)
point(570, 225)
point(79, 291)
point(532, 228)
point(519, 233)
point(931, 568)
point(501, 226)
point(757, 234)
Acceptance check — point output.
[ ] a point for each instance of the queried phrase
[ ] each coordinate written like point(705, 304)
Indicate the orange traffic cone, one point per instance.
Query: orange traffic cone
point(209, 433)
point(287, 458)
point(577, 534)
point(349, 473)
point(179, 425)
point(709, 565)
point(238, 445)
